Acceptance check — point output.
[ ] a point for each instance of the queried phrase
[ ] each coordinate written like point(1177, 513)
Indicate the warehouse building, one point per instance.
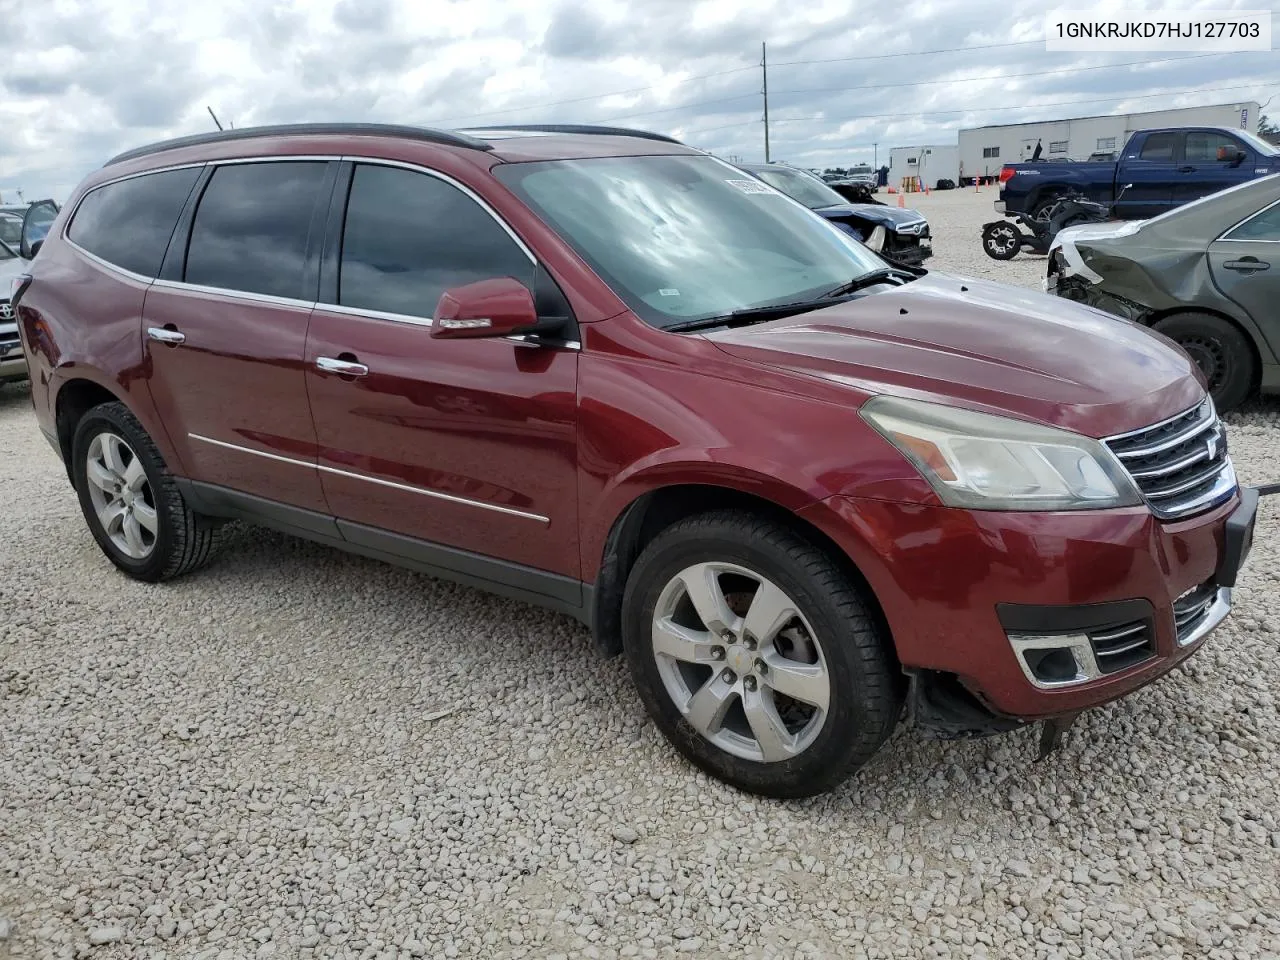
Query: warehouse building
point(983, 150)
point(925, 164)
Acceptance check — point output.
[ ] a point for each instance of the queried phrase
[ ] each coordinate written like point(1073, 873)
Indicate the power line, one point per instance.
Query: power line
point(916, 53)
point(725, 73)
point(1030, 106)
point(912, 83)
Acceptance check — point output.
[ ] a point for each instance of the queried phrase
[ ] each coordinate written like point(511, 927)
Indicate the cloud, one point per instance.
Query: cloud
point(83, 81)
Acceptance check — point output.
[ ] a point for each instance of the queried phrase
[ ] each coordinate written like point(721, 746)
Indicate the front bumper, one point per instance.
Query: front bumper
point(969, 593)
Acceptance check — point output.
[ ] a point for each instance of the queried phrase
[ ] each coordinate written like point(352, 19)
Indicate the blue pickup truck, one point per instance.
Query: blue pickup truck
point(1162, 169)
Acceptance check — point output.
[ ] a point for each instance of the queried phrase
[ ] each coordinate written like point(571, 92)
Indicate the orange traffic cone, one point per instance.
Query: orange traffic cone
point(902, 201)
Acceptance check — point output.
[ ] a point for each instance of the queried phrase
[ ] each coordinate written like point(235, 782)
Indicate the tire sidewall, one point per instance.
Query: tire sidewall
point(988, 236)
point(826, 761)
point(108, 419)
point(1237, 381)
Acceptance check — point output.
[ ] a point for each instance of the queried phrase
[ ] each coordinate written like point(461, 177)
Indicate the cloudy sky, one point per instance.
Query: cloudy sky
point(83, 79)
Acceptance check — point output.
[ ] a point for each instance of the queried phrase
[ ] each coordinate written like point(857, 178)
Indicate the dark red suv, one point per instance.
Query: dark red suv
point(801, 487)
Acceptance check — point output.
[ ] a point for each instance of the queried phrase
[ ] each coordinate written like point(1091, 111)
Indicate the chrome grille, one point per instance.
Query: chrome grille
point(6, 311)
point(1180, 465)
point(1191, 608)
point(1122, 645)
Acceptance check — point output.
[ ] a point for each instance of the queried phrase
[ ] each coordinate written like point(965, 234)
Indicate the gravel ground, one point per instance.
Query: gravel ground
point(297, 753)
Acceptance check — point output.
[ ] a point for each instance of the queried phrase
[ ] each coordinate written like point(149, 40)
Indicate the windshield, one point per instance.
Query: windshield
point(798, 186)
point(1264, 148)
point(683, 238)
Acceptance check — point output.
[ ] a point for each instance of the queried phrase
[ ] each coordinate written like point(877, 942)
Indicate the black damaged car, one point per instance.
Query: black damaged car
point(894, 233)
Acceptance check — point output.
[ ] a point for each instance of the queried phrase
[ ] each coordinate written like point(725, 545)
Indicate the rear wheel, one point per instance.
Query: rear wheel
point(1001, 241)
point(1220, 350)
point(131, 502)
point(756, 656)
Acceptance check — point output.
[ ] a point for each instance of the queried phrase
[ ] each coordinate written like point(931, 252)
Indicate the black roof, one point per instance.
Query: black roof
point(308, 129)
point(569, 128)
point(453, 138)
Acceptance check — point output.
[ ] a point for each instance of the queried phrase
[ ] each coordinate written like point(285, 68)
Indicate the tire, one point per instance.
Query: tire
point(148, 497)
point(1221, 351)
point(1044, 206)
point(832, 647)
point(1001, 240)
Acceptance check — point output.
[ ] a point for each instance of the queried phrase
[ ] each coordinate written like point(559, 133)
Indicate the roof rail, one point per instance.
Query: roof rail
point(571, 128)
point(307, 129)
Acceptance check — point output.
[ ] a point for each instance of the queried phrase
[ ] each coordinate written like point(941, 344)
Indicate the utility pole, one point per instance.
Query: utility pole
point(764, 69)
point(875, 155)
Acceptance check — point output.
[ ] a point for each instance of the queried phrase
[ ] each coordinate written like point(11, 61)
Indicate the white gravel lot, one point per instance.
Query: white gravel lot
point(298, 753)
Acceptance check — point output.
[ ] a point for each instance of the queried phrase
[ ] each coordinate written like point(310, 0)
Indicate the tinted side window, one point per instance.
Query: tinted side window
point(1265, 226)
point(1202, 146)
point(129, 223)
point(1160, 146)
point(410, 236)
point(250, 230)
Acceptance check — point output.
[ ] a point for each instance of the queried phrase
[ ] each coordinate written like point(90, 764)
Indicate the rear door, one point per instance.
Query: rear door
point(225, 327)
point(1246, 267)
point(1202, 173)
point(1150, 164)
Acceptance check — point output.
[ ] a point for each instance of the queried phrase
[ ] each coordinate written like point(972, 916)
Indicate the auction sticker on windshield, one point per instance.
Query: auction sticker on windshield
point(752, 186)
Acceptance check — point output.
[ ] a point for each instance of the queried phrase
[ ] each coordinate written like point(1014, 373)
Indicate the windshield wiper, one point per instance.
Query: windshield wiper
point(867, 280)
point(774, 311)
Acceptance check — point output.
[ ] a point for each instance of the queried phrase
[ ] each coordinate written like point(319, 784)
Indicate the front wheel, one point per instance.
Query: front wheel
point(1220, 350)
point(1001, 240)
point(757, 657)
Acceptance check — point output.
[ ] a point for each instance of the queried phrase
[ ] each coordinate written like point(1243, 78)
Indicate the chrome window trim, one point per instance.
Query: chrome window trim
point(263, 298)
point(1223, 238)
point(424, 491)
point(429, 322)
point(376, 314)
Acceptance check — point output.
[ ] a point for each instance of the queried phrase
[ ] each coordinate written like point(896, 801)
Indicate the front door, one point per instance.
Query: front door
point(1246, 267)
point(1202, 173)
point(1151, 174)
point(468, 444)
point(224, 342)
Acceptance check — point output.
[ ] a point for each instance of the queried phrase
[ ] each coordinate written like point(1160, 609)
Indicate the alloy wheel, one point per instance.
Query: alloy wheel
point(121, 496)
point(740, 662)
point(1002, 240)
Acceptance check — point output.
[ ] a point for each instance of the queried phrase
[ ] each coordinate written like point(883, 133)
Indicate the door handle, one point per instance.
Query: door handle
point(1187, 169)
point(167, 335)
point(343, 368)
point(1247, 265)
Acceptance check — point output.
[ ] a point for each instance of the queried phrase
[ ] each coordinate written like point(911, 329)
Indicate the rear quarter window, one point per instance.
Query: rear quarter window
point(128, 223)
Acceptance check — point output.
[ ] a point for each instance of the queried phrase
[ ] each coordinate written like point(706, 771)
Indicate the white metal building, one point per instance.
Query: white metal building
point(983, 150)
point(930, 162)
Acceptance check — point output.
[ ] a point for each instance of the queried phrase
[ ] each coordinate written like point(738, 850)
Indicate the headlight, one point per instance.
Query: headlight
point(985, 462)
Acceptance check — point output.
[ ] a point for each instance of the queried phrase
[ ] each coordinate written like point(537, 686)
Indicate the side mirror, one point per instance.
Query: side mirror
point(1232, 155)
point(501, 307)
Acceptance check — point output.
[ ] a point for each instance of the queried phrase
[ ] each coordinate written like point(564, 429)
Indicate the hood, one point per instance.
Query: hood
point(891, 217)
point(986, 346)
point(1097, 231)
